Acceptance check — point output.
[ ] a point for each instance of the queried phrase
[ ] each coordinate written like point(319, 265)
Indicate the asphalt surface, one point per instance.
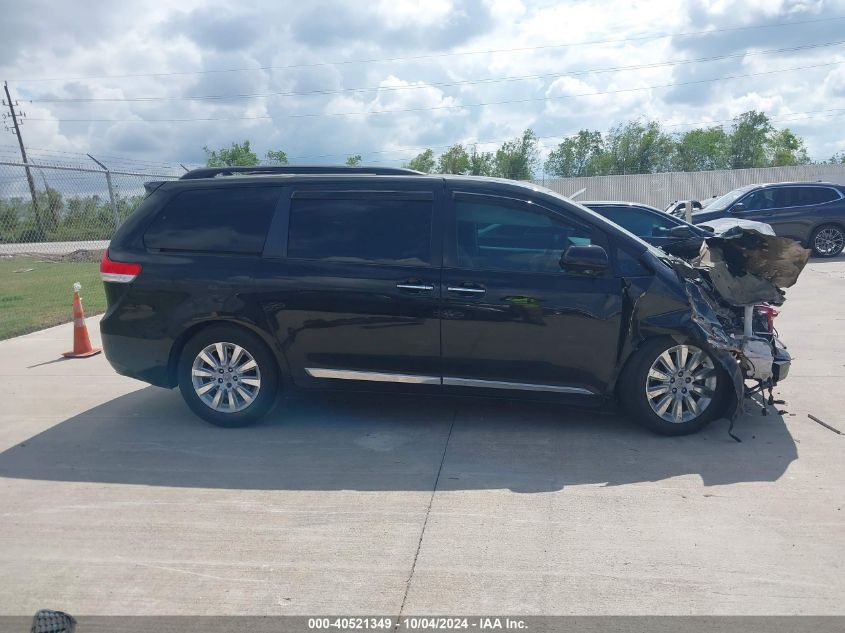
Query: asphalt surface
point(115, 500)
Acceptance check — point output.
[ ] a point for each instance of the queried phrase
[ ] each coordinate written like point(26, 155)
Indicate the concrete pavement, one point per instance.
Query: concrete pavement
point(52, 248)
point(115, 500)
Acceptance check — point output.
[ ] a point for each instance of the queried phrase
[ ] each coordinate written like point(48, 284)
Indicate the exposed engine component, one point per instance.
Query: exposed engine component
point(757, 359)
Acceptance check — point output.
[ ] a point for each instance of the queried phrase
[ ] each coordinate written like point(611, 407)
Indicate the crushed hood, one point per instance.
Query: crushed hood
point(721, 226)
point(746, 266)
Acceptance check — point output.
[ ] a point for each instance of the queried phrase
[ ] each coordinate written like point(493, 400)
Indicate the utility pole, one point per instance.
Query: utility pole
point(16, 130)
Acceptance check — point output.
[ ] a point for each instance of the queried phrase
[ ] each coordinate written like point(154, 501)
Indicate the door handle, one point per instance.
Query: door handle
point(468, 290)
point(414, 286)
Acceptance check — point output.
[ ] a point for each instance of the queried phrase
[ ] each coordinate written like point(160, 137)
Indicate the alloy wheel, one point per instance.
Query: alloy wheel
point(225, 377)
point(829, 241)
point(681, 384)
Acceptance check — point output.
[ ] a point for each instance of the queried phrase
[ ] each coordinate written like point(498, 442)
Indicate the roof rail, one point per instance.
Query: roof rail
point(211, 172)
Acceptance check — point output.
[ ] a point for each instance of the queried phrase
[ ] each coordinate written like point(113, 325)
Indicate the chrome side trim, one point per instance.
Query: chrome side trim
point(476, 291)
point(521, 386)
point(372, 376)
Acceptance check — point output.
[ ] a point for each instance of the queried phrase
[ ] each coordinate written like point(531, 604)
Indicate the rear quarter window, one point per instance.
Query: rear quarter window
point(820, 195)
point(803, 196)
point(220, 220)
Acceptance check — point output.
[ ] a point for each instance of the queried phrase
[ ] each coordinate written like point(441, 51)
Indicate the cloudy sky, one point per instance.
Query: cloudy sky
point(386, 78)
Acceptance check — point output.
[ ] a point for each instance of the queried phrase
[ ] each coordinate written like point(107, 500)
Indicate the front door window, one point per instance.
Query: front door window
point(493, 236)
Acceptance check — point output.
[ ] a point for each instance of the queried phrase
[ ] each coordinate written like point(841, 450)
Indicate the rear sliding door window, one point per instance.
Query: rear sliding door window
point(377, 230)
point(230, 220)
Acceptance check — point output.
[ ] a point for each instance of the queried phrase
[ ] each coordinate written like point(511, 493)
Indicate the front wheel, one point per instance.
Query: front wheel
point(827, 240)
point(227, 376)
point(672, 388)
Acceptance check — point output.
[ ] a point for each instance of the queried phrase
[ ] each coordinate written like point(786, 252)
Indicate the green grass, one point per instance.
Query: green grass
point(43, 297)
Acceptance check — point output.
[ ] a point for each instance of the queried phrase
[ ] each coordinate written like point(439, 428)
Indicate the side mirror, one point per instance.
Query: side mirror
point(680, 232)
point(585, 260)
point(739, 207)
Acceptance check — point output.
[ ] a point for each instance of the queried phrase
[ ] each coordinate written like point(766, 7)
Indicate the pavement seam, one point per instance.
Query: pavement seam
point(425, 521)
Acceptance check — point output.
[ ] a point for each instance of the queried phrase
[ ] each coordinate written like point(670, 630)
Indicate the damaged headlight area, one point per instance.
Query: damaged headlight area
point(732, 285)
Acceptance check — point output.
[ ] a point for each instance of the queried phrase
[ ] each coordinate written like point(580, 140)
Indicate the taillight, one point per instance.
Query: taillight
point(118, 272)
point(768, 314)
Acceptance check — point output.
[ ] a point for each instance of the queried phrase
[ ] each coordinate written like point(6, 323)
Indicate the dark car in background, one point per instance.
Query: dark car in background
point(654, 226)
point(679, 207)
point(811, 212)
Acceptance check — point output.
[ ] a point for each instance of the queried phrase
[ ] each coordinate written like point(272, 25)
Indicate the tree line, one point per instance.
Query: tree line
point(60, 218)
point(635, 147)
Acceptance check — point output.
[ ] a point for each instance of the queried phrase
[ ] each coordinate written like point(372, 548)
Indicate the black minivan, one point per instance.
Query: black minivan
point(238, 283)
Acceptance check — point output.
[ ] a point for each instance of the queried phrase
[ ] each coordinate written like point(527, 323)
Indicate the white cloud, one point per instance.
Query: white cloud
point(324, 41)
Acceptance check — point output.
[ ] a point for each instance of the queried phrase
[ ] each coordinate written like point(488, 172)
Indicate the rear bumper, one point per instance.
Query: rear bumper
point(138, 358)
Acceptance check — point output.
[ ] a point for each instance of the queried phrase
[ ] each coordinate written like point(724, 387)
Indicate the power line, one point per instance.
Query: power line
point(417, 86)
point(449, 107)
point(794, 116)
point(653, 36)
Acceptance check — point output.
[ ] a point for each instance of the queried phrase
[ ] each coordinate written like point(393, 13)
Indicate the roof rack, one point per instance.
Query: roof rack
point(212, 172)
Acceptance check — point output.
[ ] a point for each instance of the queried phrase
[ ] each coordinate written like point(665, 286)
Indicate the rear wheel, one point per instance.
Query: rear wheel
point(828, 240)
point(227, 376)
point(672, 388)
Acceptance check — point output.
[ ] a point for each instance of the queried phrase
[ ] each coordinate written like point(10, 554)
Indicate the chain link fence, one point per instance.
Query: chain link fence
point(55, 221)
point(48, 209)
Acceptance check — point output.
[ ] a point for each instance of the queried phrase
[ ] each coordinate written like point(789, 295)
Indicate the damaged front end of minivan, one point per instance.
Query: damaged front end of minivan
point(730, 288)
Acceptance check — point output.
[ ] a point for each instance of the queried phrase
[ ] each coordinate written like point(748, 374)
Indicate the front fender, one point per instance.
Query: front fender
point(654, 308)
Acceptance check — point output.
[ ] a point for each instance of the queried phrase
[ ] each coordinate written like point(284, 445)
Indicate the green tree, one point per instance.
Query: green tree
point(787, 149)
point(455, 160)
point(702, 149)
point(750, 140)
point(424, 162)
point(481, 163)
point(9, 220)
point(237, 154)
point(517, 159)
point(636, 148)
point(576, 155)
point(837, 158)
point(354, 160)
point(277, 156)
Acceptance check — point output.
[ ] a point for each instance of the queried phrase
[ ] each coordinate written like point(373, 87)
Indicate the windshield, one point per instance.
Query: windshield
point(728, 199)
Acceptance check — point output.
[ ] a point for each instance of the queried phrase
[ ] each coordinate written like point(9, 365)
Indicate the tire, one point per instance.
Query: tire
point(827, 240)
point(708, 387)
point(247, 387)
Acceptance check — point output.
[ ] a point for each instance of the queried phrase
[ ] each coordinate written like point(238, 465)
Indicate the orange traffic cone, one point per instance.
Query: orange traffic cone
point(81, 343)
